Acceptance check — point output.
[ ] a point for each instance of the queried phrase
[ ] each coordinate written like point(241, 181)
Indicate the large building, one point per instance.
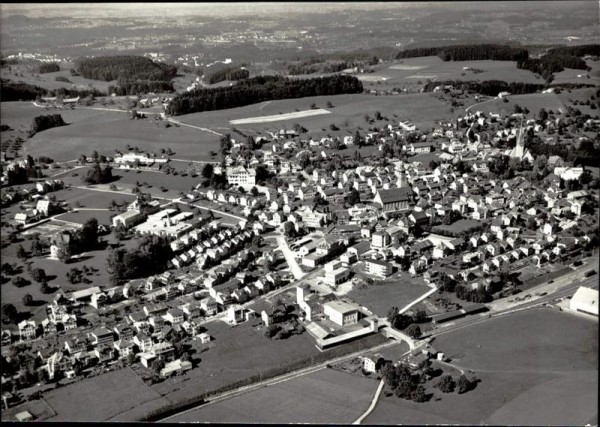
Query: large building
point(240, 175)
point(585, 300)
point(378, 268)
point(341, 312)
point(395, 199)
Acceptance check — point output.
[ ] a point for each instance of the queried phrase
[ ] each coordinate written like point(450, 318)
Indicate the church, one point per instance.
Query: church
point(519, 151)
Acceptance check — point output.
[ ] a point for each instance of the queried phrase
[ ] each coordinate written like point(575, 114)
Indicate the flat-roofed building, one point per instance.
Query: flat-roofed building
point(378, 268)
point(585, 300)
point(341, 312)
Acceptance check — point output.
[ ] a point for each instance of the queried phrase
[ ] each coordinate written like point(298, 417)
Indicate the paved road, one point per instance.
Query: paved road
point(289, 257)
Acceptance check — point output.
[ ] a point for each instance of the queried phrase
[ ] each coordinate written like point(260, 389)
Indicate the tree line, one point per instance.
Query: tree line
point(259, 89)
point(41, 123)
point(317, 66)
point(228, 73)
point(468, 52)
point(20, 91)
point(494, 87)
point(124, 67)
point(552, 63)
point(49, 67)
point(137, 87)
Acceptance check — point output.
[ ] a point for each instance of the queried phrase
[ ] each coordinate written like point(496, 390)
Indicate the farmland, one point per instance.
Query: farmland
point(325, 396)
point(234, 354)
point(533, 102)
point(380, 298)
point(537, 367)
point(106, 131)
point(112, 393)
point(422, 109)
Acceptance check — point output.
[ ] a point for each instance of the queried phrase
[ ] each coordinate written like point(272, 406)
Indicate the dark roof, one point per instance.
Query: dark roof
point(474, 308)
point(395, 195)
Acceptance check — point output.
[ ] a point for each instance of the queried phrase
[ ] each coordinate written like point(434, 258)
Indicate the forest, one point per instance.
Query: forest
point(41, 123)
point(137, 87)
point(317, 66)
point(49, 67)
point(559, 58)
point(108, 68)
point(228, 73)
point(468, 53)
point(19, 91)
point(259, 89)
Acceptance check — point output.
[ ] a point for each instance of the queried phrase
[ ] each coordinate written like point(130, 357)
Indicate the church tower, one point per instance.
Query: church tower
point(402, 181)
point(520, 147)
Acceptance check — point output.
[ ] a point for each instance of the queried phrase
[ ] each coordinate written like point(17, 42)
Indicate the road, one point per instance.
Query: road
point(373, 403)
point(290, 257)
point(479, 103)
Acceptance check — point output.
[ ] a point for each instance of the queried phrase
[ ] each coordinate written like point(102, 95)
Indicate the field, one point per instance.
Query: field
point(580, 95)
point(234, 354)
point(380, 298)
point(326, 397)
point(411, 70)
point(279, 117)
point(91, 199)
point(107, 131)
point(537, 368)
point(104, 397)
point(347, 113)
point(534, 103)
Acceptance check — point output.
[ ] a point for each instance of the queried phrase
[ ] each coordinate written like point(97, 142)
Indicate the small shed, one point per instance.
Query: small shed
point(24, 416)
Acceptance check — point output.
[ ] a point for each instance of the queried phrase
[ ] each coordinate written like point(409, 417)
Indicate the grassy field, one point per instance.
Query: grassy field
point(380, 298)
point(235, 353)
point(327, 396)
point(537, 368)
point(569, 97)
point(91, 199)
point(412, 70)
point(534, 103)
point(103, 397)
point(422, 109)
point(107, 131)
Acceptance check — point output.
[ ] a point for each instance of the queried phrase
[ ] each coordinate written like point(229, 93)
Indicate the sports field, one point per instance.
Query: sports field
point(537, 368)
point(327, 397)
point(119, 394)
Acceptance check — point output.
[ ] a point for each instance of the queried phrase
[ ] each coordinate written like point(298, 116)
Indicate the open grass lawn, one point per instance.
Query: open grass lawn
point(412, 70)
point(81, 216)
point(325, 396)
point(234, 354)
point(534, 103)
point(103, 397)
point(90, 199)
point(380, 298)
point(105, 131)
point(422, 109)
point(568, 98)
point(537, 368)
point(174, 183)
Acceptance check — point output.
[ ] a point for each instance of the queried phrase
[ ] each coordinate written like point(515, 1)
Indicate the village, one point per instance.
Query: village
point(460, 215)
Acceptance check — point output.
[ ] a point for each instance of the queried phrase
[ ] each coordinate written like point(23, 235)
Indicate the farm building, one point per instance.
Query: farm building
point(585, 300)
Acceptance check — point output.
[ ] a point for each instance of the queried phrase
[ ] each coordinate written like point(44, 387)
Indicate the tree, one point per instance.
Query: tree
point(254, 191)
point(353, 197)
point(358, 140)
point(241, 189)
point(21, 254)
point(463, 384)
point(446, 384)
point(271, 330)
point(413, 331)
point(39, 275)
point(9, 313)
point(158, 365)
point(418, 395)
point(20, 282)
point(27, 299)
point(289, 230)
point(208, 171)
point(64, 253)
point(420, 316)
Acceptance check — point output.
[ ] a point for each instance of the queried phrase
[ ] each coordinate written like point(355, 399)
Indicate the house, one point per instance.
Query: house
point(372, 363)
point(27, 329)
point(378, 268)
point(176, 367)
point(380, 239)
point(240, 175)
point(175, 316)
point(127, 219)
point(101, 337)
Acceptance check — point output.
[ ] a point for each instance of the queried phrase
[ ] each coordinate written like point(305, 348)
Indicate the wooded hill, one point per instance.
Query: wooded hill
point(126, 68)
point(259, 89)
point(468, 53)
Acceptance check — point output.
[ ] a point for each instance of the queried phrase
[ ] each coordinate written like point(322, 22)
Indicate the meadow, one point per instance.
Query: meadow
point(380, 298)
point(537, 367)
point(327, 397)
point(113, 394)
point(534, 102)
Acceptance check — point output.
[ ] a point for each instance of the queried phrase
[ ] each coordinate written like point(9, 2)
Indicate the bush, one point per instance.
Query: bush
point(20, 282)
point(27, 299)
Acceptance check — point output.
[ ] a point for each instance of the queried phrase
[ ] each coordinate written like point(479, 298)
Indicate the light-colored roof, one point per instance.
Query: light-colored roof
point(585, 299)
point(341, 306)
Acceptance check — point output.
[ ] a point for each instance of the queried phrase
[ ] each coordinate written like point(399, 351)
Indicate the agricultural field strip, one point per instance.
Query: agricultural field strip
point(281, 378)
point(277, 117)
